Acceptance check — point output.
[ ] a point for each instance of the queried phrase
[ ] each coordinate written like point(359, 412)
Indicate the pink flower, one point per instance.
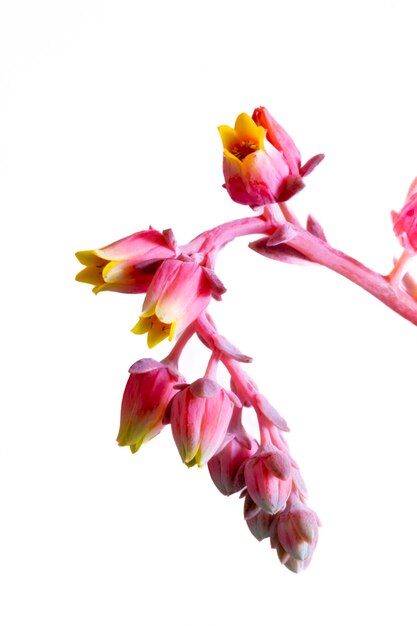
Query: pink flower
point(405, 222)
point(227, 466)
point(260, 524)
point(149, 389)
point(127, 265)
point(200, 415)
point(297, 531)
point(261, 163)
point(178, 293)
point(268, 478)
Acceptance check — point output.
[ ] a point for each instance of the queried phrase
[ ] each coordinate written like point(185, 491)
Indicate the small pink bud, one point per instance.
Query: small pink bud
point(150, 387)
point(200, 415)
point(260, 525)
point(227, 466)
point(268, 478)
point(250, 508)
point(297, 531)
point(293, 564)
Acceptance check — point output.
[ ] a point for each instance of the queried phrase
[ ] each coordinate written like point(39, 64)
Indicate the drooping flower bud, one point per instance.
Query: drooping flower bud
point(149, 389)
point(260, 525)
point(127, 265)
point(294, 565)
point(227, 466)
point(268, 478)
point(178, 293)
point(200, 415)
point(297, 531)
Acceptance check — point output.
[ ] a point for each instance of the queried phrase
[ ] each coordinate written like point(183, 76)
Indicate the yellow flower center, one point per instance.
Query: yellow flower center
point(242, 140)
point(242, 149)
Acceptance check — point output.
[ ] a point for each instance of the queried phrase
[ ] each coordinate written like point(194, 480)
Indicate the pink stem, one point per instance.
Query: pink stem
point(173, 357)
point(321, 252)
point(398, 271)
point(212, 366)
point(316, 250)
point(288, 214)
point(220, 235)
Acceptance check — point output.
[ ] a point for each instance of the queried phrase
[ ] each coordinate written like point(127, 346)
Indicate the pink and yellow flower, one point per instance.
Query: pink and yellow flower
point(178, 293)
point(200, 415)
point(254, 169)
point(127, 265)
point(261, 163)
point(148, 391)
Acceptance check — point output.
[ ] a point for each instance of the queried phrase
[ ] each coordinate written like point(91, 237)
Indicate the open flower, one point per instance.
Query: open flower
point(261, 163)
point(178, 293)
point(127, 265)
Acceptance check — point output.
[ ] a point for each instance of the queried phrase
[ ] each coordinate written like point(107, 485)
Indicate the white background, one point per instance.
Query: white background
point(108, 123)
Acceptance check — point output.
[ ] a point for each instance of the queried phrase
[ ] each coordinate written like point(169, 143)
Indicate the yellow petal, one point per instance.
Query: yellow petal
point(172, 331)
point(104, 287)
point(158, 332)
point(143, 325)
point(246, 128)
point(232, 159)
point(108, 268)
point(88, 257)
point(229, 136)
point(91, 275)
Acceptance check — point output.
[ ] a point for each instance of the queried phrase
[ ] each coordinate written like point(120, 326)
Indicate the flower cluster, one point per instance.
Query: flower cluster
point(262, 169)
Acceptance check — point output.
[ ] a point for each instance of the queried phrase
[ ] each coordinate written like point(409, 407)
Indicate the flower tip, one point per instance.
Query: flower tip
point(86, 257)
point(137, 328)
point(98, 288)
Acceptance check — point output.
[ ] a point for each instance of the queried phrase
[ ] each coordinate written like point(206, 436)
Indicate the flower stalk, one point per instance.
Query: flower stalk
point(263, 170)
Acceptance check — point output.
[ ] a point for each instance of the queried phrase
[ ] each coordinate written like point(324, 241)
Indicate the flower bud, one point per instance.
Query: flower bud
point(149, 389)
point(293, 564)
point(297, 531)
point(200, 415)
point(268, 478)
point(260, 525)
point(227, 466)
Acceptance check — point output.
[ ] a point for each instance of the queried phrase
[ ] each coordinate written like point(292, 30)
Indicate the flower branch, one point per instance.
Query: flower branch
point(263, 170)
